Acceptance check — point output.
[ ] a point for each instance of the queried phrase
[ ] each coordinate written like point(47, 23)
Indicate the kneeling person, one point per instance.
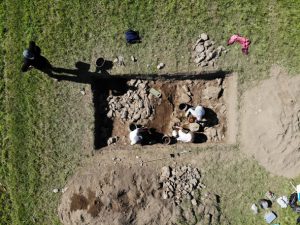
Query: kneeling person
point(180, 135)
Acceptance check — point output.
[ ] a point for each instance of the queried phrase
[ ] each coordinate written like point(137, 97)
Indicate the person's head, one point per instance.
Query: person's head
point(136, 140)
point(192, 119)
point(28, 54)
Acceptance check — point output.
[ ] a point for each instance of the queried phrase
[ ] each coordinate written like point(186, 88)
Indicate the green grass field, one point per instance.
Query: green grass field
point(42, 122)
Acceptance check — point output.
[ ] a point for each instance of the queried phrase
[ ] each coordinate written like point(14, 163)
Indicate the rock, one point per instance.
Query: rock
point(133, 59)
point(210, 55)
point(142, 85)
point(204, 36)
point(212, 92)
point(210, 49)
point(211, 63)
point(110, 114)
point(197, 60)
point(141, 104)
point(160, 66)
point(131, 82)
point(203, 64)
point(207, 43)
point(199, 48)
point(184, 98)
point(170, 194)
point(165, 172)
point(82, 91)
point(200, 58)
point(194, 202)
point(164, 195)
point(124, 114)
point(112, 140)
point(136, 117)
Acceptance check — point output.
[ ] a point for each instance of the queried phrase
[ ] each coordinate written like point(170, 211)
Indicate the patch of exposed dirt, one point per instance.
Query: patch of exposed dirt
point(117, 195)
point(165, 112)
point(124, 192)
point(270, 123)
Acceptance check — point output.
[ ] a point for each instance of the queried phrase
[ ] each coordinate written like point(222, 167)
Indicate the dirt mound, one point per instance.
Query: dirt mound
point(270, 125)
point(120, 195)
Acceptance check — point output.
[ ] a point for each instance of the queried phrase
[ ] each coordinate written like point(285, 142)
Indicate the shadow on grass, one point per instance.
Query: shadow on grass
point(103, 84)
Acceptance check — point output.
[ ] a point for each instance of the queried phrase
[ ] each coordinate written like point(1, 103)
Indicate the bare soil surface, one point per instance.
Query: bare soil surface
point(270, 123)
point(122, 190)
point(139, 106)
point(124, 187)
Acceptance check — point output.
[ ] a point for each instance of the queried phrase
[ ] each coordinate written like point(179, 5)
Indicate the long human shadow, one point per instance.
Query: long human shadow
point(103, 84)
point(101, 89)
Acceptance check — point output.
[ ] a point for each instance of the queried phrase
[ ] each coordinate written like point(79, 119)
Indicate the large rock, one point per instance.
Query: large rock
point(212, 92)
point(199, 48)
point(204, 36)
point(184, 98)
point(165, 172)
point(207, 43)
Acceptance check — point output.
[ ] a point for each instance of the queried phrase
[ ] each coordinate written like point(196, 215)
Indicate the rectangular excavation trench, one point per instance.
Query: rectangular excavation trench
point(122, 100)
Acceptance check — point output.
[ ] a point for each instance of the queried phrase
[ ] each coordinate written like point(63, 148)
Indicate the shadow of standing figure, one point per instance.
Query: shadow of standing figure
point(33, 59)
point(102, 85)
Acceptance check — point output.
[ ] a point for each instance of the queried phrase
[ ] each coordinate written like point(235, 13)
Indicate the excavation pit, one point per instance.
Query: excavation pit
point(160, 104)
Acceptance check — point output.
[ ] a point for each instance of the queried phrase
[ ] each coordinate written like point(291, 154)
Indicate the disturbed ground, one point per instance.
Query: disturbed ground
point(137, 104)
point(270, 125)
point(137, 189)
point(124, 191)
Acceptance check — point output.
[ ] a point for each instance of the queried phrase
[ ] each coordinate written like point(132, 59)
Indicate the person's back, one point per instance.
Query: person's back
point(182, 136)
point(198, 112)
point(135, 136)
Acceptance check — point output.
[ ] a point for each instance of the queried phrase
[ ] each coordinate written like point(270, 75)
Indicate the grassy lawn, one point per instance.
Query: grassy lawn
point(44, 124)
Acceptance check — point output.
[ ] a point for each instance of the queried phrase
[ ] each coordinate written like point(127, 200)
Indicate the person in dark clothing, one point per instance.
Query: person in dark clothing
point(34, 59)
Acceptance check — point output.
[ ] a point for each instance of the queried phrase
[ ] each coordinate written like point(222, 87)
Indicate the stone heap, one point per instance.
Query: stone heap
point(180, 183)
point(205, 52)
point(134, 105)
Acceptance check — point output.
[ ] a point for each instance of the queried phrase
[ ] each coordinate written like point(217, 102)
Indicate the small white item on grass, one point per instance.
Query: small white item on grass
point(270, 217)
point(133, 59)
point(254, 209)
point(64, 189)
point(82, 91)
point(55, 190)
point(282, 201)
point(160, 66)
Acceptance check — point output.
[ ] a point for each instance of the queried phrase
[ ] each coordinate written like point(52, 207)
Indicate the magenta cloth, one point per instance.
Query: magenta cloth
point(243, 41)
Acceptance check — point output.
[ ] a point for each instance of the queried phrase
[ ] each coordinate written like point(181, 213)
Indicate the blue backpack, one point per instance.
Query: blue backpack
point(132, 37)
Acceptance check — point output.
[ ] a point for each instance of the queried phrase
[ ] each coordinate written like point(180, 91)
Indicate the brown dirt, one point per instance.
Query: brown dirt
point(167, 112)
point(270, 127)
point(125, 192)
point(117, 195)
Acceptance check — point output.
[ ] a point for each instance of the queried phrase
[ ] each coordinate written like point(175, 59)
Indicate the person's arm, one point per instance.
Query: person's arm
point(188, 112)
point(26, 66)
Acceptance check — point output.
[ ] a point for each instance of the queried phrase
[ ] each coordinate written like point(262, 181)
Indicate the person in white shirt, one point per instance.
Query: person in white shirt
point(182, 136)
point(198, 112)
point(135, 136)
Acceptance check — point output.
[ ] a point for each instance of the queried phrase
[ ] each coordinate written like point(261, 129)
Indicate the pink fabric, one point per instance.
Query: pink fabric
point(243, 41)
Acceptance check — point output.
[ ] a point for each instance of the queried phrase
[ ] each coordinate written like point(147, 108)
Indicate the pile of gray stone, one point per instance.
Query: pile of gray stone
point(180, 182)
point(204, 51)
point(134, 106)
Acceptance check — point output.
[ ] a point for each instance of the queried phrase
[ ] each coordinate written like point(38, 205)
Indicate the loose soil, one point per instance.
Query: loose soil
point(270, 124)
point(124, 191)
point(212, 94)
